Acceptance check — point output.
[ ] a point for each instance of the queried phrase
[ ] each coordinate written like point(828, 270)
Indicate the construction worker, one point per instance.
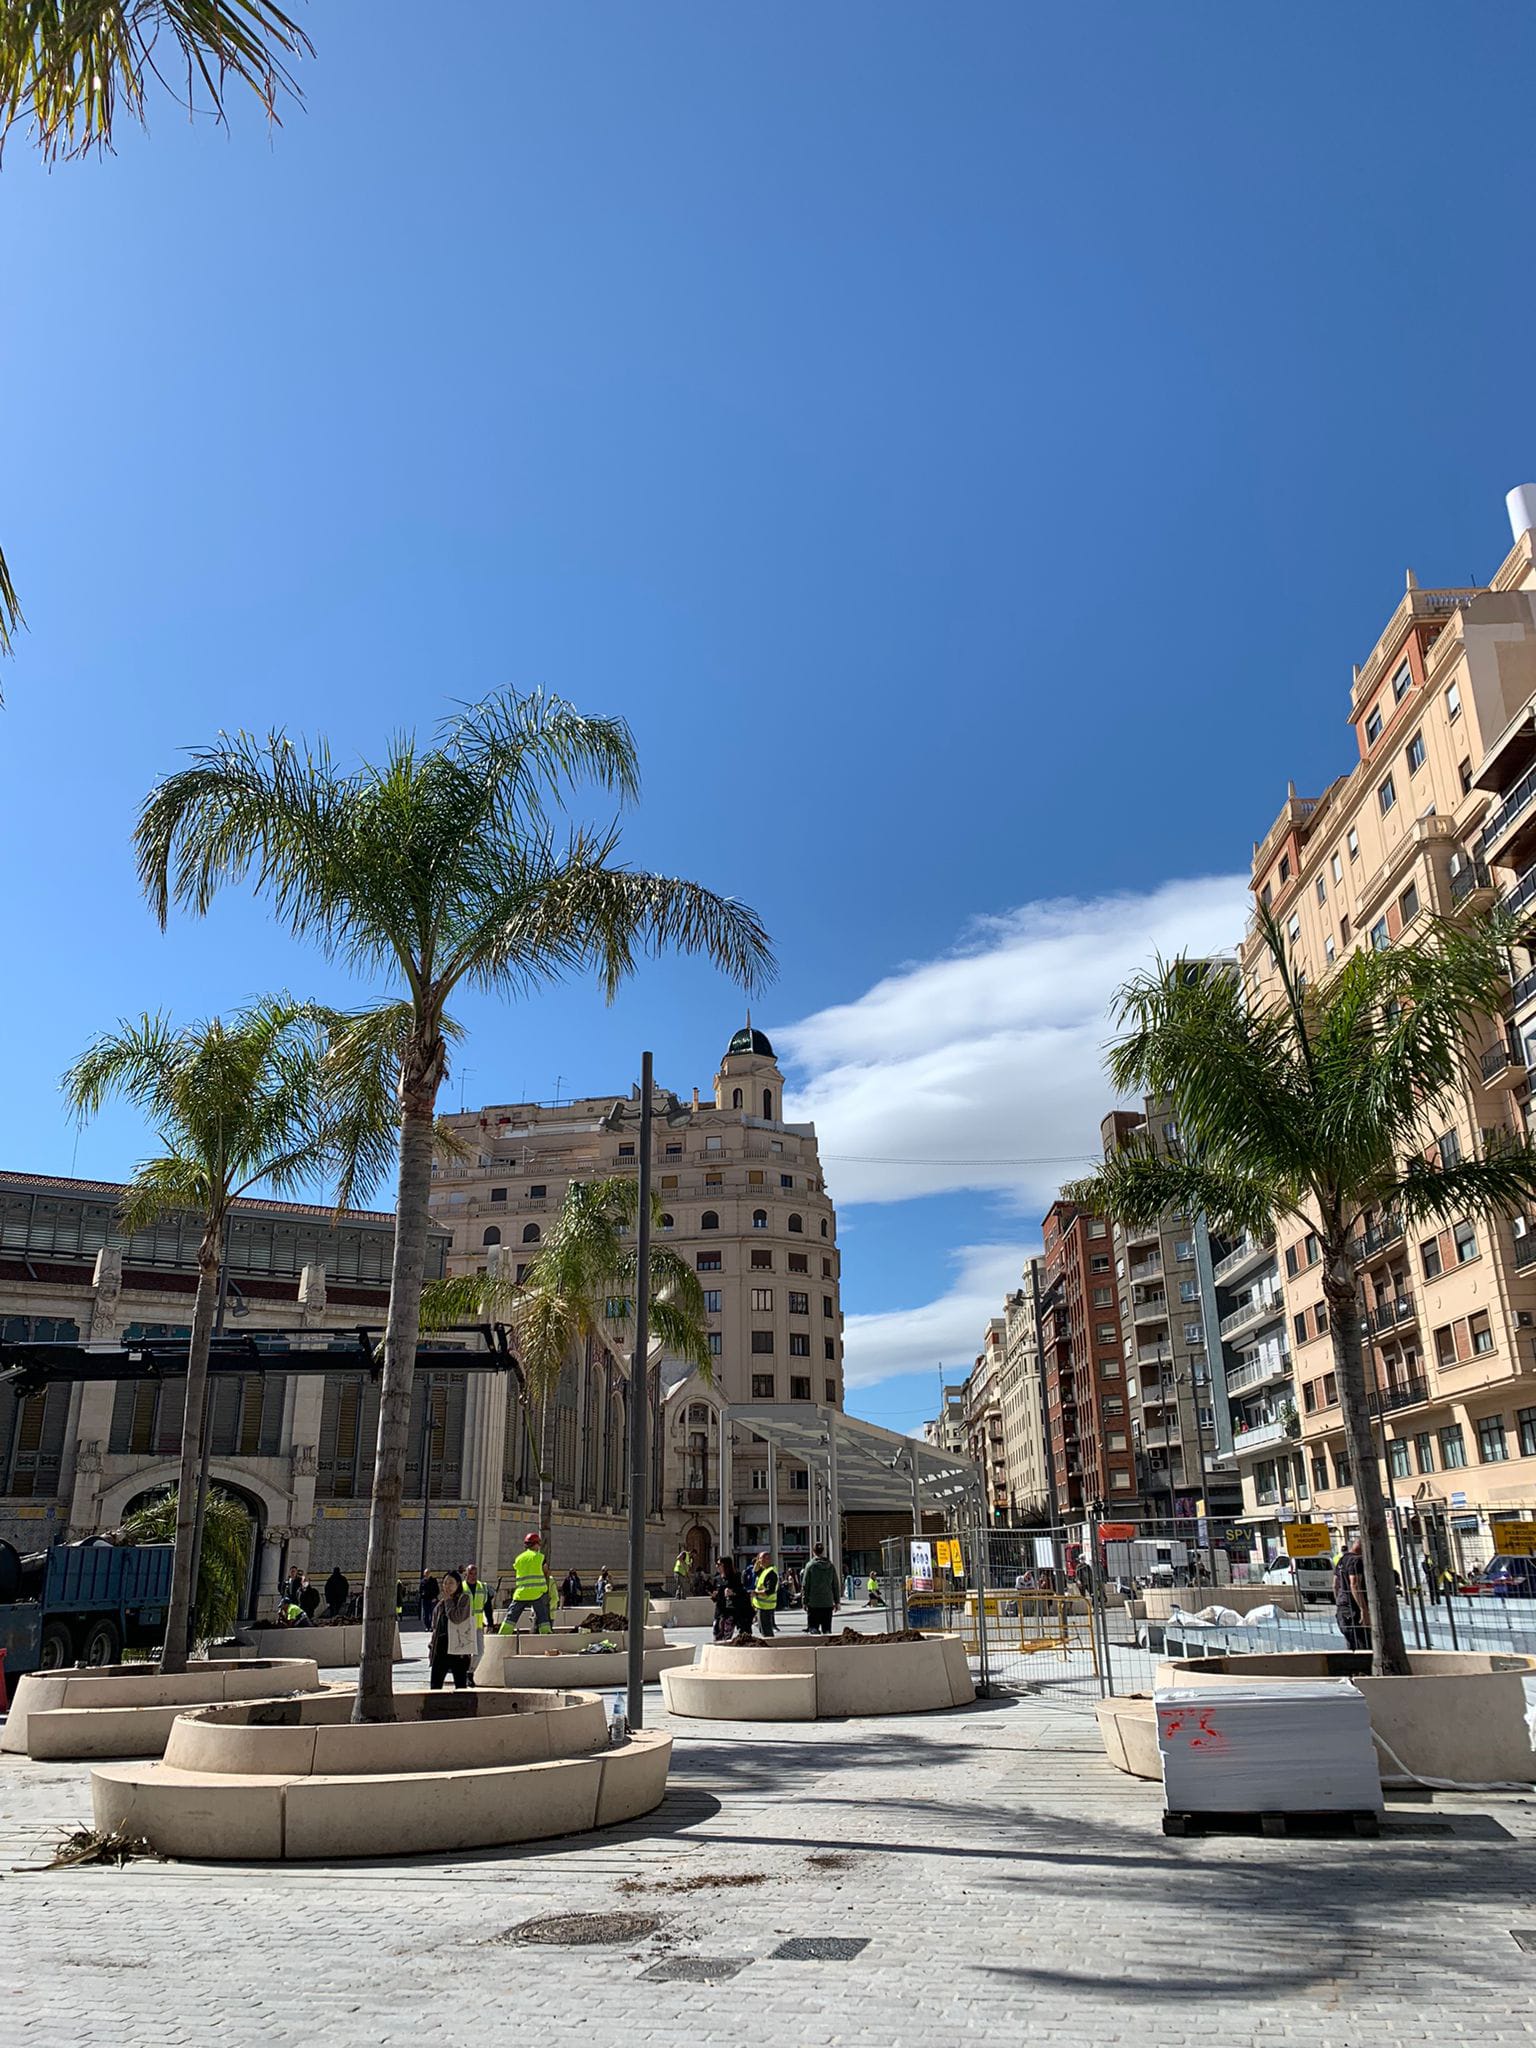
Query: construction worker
point(480, 1601)
point(765, 1595)
point(530, 1594)
point(682, 1572)
point(872, 1587)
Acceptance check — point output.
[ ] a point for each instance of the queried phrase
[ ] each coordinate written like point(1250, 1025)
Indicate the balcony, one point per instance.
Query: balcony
point(1371, 1243)
point(1154, 1355)
point(1153, 1310)
point(1520, 892)
point(1525, 1251)
point(1259, 1437)
point(1249, 1314)
point(1390, 1315)
point(1274, 1367)
point(1497, 1058)
point(1242, 1256)
point(698, 1496)
point(1405, 1394)
point(1469, 881)
point(1514, 806)
point(1524, 989)
point(1147, 1269)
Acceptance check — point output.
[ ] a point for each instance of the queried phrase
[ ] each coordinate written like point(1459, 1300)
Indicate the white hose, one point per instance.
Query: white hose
point(1408, 1777)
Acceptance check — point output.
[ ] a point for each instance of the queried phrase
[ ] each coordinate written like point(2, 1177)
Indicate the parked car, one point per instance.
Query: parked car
point(1505, 1578)
point(1313, 1576)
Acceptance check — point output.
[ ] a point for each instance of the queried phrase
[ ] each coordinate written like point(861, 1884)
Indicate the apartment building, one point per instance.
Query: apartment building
point(984, 1419)
point(1087, 1419)
point(1430, 820)
point(947, 1430)
point(745, 1203)
point(1168, 1319)
point(1260, 1442)
point(1022, 1398)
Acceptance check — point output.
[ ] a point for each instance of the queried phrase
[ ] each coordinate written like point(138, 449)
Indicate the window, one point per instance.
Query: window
point(1415, 753)
point(1099, 1263)
point(1266, 896)
point(1097, 1227)
point(796, 1223)
point(1299, 1323)
point(735, 1098)
point(498, 1194)
point(755, 1177)
point(799, 1346)
point(1526, 1418)
point(711, 1301)
point(1408, 903)
point(1397, 1452)
point(1189, 1290)
point(1194, 1333)
point(1453, 703)
point(762, 1298)
point(762, 1262)
point(759, 1472)
point(799, 1304)
point(1343, 931)
point(666, 1221)
point(1340, 1467)
point(1285, 869)
point(538, 1192)
point(827, 1308)
point(826, 1268)
point(1450, 1149)
point(797, 1262)
point(708, 1262)
point(1319, 1471)
point(1424, 1451)
point(759, 1219)
point(626, 1151)
point(1106, 1333)
point(1103, 1296)
point(1466, 1243)
point(669, 1181)
point(522, 1274)
point(829, 1348)
point(1480, 1329)
point(1386, 796)
point(1328, 952)
point(1352, 841)
point(1120, 1481)
point(709, 1220)
point(1402, 682)
point(824, 1230)
point(674, 1151)
point(1338, 868)
point(1373, 725)
point(1379, 939)
point(714, 1144)
point(1292, 1261)
point(715, 1342)
point(1293, 930)
point(616, 1308)
point(531, 1233)
point(762, 1342)
point(786, 1180)
point(762, 1386)
point(492, 1236)
point(1492, 1448)
point(714, 1180)
point(1429, 1257)
point(1322, 889)
point(1464, 775)
point(798, 1482)
point(1453, 1449)
point(799, 1390)
point(831, 1386)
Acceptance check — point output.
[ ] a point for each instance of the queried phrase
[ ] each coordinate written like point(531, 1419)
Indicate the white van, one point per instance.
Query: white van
point(1313, 1577)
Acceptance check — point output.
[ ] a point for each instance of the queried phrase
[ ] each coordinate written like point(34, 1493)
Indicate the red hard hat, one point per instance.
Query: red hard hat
point(532, 1536)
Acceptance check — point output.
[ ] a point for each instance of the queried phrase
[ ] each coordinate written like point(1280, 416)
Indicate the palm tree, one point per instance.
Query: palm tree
point(1320, 1108)
point(235, 1105)
point(583, 1282)
point(438, 866)
point(222, 1559)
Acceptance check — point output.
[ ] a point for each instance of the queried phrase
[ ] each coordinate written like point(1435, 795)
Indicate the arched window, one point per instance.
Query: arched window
point(698, 1412)
point(796, 1223)
point(823, 1226)
point(767, 1105)
point(735, 1098)
point(666, 1222)
point(492, 1236)
point(531, 1233)
point(709, 1220)
point(759, 1219)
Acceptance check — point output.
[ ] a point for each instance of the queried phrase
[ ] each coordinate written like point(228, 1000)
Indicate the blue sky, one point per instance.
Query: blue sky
point(969, 444)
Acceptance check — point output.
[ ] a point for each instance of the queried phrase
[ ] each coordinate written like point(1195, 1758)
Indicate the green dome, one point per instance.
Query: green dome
point(750, 1041)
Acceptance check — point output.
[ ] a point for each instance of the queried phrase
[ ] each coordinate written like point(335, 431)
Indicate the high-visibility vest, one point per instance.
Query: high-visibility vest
point(874, 1585)
point(765, 1594)
point(532, 1582)
point(292, 1613)
point(476, 1594)
point(683, 1564)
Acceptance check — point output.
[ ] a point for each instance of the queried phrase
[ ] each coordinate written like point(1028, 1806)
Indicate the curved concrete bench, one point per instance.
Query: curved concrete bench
point(507, 1662)
point(129, 1709)
point(1459, 1716)
point(697, 1612)
point(257, 1784)
point(331, 1645)
point(1129, 1731)
point(847, 1679)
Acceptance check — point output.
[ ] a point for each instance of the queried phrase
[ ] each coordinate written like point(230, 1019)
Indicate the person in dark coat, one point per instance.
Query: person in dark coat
point(309, 1600)
point(429, 1597)
point(337, 1592)
point(733, 1603)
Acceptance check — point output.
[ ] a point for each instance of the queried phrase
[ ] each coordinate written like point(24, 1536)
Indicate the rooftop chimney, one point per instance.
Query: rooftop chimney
point(1521, 504)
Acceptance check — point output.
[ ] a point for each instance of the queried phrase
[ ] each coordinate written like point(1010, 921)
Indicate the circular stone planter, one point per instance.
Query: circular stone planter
point(1459, 1716)
point(332, 1645)
point(297, 1780)
point(696, 1612)
point(812, 1679)
point(513, 1660)
point(129, 1709)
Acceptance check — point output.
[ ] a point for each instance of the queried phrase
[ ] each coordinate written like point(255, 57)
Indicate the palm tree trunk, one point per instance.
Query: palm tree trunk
point(183, 1602)
point(421, 1074)
point(1389, 1653)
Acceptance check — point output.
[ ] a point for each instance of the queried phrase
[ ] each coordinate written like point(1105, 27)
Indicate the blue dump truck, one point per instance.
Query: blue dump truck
point(81, 1603)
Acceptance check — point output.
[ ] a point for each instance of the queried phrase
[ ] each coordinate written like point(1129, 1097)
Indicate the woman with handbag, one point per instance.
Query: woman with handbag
point(453, 1635)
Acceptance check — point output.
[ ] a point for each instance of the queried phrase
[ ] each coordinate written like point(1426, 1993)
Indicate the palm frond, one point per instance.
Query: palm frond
point(11, 619)
point(1500, 1182)
point(1137, 1187)
point(162, 1187)
point(222, 1565)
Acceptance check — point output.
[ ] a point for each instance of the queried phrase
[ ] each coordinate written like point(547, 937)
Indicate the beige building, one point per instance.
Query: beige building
point(984, 1419)
point(1430, 820)
point(745, 1203)
point(1021, 1398)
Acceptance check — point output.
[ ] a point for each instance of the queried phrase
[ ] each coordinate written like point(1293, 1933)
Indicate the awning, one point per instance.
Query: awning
point(869, 1471)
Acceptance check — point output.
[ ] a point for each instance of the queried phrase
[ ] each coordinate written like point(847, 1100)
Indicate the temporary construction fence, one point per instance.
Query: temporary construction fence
point(1077, 1613)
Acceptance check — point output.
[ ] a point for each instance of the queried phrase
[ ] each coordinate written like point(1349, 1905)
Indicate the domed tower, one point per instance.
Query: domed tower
point(749, 1077)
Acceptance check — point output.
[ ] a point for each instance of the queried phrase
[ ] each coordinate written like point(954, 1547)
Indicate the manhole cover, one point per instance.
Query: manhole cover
point(1525, 1937)
point(695, 1970)
point(821, 1948)
point(583, 1930)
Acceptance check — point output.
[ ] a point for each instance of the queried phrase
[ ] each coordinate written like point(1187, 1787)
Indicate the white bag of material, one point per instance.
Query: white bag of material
point(1277, 1748)
point(1220, 1617)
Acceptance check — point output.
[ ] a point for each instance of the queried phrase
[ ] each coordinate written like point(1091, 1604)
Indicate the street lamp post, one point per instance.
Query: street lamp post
point(639, 1414)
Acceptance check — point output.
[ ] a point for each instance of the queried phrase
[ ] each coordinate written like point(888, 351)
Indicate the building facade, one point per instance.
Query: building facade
point(1431, 820)
point(1093, 1458)
point(745, 1203)
point(1022, 1398)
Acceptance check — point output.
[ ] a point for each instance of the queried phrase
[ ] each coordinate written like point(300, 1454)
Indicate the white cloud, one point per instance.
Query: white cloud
point(984, 1069)
point(948, 1330)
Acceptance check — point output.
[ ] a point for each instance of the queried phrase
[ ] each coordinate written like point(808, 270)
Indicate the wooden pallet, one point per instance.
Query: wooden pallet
point(1355, 1821)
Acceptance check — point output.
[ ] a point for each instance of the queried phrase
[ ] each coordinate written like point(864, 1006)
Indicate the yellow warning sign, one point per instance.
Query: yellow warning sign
point(1514, 1539)
point(1310, 1539)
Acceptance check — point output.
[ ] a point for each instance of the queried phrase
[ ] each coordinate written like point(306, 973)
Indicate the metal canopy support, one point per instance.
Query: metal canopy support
point(834, 1508)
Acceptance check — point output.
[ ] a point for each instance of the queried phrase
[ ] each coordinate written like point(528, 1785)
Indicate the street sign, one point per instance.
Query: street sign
point(1311, 1539)
point(1514, 1539)
point(922, 1566)
point(1116, 1532)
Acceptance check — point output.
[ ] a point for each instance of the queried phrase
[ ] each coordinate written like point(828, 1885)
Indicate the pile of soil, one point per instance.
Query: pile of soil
point(849, 1635)
point(604, 1624)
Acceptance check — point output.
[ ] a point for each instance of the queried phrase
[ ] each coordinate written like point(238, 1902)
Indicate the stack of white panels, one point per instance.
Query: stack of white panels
point(1283, 1748)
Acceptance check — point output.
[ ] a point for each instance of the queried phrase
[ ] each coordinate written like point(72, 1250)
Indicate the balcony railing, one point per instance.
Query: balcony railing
point(1388, 1231)
point(1496, 1059)
point(1465, 880)
point(1516, 897)
point(1241, 1255)
point(698, 1496)
point(1514, 805)
point(1255, 1309)
point(1524, 988)
point(1260, 1435)
point(1258, 1371)
point(1147, 1269)
point(1525, 1250)
point(1405, 1394)
point(1387, 1315)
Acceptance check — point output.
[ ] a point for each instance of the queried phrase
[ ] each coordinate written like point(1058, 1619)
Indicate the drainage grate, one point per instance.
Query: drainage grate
point(582, 1930)
point(821, 1948)
point(695, 1970)
point(1525, 1937)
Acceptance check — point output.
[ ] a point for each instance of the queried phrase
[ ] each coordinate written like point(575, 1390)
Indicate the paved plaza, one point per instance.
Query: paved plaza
point(1003, 1881)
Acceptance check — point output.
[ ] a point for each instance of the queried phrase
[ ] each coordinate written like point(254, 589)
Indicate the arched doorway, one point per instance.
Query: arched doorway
point(701, 1546)
point(256, 1548)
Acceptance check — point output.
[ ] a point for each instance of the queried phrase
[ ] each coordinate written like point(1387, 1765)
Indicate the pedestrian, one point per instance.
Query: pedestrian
point(530, 1594)
point(337, 1593)
point(309, 1599)
point(765, 1595)
point(733, 1604)
point(820, 1591)
point(1349, 1604)
point(429, 1596)
point(293, 1585)
point(572, 1592)
point(872, 1588)
point(603, 1588)
point(292, 1615)
point(480, 1600)
point(682, 1572)
point(453, 1635)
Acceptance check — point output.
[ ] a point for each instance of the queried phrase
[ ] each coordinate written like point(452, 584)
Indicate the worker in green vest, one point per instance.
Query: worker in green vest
point(874, 1589)
point(682, 1572)
point(480, 1603)
point(765, 1595)
point(293, 1615)
point(530, 1594)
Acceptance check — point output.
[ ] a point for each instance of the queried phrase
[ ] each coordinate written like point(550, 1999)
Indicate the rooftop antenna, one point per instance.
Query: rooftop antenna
point(464, 1079)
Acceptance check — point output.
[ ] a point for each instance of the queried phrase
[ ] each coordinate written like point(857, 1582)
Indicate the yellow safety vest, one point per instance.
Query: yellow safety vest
point(532, 1584)
point(765, 1594)
point(476, 1594)
point(683, 1564)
